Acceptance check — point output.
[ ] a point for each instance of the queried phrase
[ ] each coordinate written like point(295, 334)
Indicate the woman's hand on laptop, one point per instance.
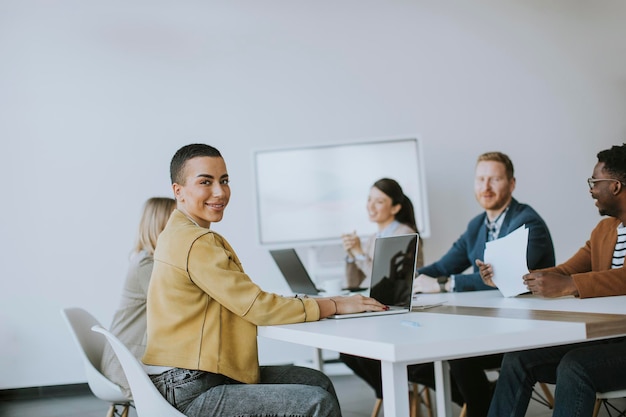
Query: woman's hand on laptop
point(350, 304)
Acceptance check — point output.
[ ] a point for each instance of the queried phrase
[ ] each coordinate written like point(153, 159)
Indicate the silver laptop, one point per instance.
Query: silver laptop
point(294, 271)
point(393, 269)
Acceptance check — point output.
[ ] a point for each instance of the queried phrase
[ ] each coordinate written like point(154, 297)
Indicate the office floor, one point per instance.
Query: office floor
point(356, 398)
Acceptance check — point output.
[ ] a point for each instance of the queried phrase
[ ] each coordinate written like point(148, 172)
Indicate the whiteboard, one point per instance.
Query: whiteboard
point(313, 194)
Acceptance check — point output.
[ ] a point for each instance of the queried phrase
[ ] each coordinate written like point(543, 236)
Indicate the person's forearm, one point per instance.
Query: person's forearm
point(327, 306)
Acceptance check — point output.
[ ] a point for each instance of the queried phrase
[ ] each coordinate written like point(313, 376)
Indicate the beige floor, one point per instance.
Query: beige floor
point(356, 398)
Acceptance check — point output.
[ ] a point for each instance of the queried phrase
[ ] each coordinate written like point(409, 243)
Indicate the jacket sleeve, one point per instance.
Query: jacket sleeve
point(540, 252)
point(595, 277)
point(470, 282)
point(601, 283)
point(456, 260)
point(453, 262)
point(218, 272)
point(354, 276)
point(360, 269)
point(604, 283)
point(581, 261)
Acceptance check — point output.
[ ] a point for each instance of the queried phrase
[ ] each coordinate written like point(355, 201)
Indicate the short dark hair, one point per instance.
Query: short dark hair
point(186, 153)
point(614, 160)
point(391, 188)
point(499, 157)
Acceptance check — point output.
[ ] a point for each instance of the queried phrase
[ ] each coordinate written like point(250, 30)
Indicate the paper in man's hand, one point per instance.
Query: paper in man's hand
point(507, 256)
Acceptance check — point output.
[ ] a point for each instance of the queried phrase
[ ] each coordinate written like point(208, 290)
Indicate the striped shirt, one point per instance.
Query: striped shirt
point(620, 247)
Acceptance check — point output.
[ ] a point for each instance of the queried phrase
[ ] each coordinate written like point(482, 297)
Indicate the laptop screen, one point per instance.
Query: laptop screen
point(393, 268)
point(294, 271)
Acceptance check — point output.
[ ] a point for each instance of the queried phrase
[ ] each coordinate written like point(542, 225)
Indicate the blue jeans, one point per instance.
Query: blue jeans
point(579, 371)
point(282, 391)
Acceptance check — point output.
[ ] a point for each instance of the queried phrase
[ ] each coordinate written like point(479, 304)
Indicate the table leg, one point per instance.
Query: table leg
point(318, 360)
point(395, 389)
point(442, 389)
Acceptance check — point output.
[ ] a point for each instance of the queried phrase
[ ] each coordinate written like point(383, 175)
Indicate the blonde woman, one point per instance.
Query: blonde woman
point(129, 321)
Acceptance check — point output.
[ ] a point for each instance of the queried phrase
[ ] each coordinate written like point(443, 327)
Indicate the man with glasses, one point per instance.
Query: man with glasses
point(592, 181)
point(596, 270)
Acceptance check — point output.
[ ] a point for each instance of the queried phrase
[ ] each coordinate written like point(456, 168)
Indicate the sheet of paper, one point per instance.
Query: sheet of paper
point(507, 257)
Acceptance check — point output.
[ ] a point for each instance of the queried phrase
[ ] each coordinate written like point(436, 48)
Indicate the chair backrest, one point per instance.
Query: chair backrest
point(148, 400)
point(91, 346)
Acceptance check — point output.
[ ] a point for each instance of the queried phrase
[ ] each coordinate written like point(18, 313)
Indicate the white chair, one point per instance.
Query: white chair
point(604, 397)
point(148, 400)
point(90, 347)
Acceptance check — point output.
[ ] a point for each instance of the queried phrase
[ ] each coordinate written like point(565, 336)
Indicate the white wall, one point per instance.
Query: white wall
point(96, 96)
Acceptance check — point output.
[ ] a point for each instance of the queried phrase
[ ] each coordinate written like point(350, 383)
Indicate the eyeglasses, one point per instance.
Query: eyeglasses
point(592, 181)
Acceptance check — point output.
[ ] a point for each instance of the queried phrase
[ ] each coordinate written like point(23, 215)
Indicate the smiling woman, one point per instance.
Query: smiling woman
point(392, 212)
point(203, 311)
point(201, 189)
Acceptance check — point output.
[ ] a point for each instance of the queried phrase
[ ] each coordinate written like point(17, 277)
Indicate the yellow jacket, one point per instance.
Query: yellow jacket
point(203, 309)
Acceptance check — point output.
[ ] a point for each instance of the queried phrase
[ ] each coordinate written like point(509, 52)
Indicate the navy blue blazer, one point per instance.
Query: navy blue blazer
point(471, 246)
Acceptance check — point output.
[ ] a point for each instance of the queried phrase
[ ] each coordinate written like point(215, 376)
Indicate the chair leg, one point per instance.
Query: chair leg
point(377, 404)
point(415, 401)
point(426, 401)
point(111, 412)
point(596, 407)
point(416, 398)
point(548, 394)
point(463, 412)
point(125, 411)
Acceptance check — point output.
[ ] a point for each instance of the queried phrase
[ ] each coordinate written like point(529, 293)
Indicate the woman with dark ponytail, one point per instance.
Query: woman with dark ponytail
point(393, 213)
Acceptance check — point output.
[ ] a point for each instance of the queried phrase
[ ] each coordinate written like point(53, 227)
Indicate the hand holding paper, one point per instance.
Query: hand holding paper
point(507, 257)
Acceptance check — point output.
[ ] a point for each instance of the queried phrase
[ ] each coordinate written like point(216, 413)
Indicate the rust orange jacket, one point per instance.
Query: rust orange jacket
point(590, 267)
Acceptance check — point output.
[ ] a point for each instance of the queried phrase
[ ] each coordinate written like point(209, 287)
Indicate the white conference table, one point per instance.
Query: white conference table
point(468, 324)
